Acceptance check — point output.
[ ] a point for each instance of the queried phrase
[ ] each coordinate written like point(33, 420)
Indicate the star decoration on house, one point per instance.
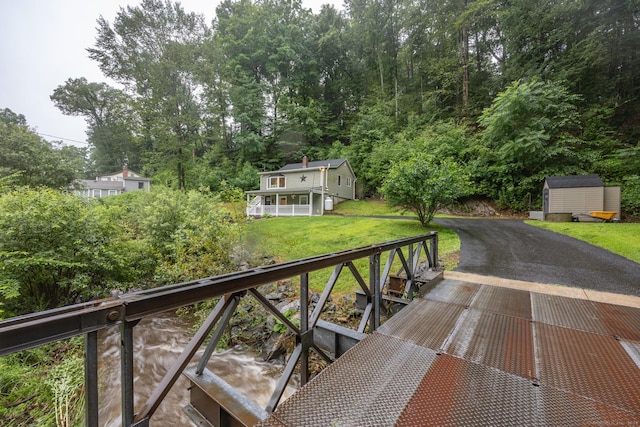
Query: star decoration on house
point(303, 178)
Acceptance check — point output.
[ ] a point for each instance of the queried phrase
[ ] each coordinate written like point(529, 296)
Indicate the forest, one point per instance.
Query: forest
point(511, 91)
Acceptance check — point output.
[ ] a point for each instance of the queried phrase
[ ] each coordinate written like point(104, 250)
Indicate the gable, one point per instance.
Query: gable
point(574, 181)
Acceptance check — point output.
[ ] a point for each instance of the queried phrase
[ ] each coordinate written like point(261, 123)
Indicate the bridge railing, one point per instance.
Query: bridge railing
point(29, 331)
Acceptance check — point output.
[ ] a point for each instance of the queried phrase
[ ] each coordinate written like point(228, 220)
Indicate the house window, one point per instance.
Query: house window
point(303, 200)
point(339, 180)
point(95, 193)
point(348, 181)
point(113, 192)
point(140, 185)
point(276, 181)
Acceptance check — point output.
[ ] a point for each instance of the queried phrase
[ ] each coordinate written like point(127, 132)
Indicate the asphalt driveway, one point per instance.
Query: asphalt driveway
point(514, 250)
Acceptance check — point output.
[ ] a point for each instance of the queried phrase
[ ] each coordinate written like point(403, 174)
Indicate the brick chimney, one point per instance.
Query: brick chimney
point(125, 171)
point(305, 162)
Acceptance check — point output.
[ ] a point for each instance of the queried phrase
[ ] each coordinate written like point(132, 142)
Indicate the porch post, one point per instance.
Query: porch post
point(310, 203)
point(277, 204)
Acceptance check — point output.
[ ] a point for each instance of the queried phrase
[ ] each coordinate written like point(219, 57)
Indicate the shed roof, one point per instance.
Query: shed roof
point(574, 181)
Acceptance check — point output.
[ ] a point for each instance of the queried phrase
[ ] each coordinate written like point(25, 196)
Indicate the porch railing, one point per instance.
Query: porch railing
point(279, 210)
point(127, 310)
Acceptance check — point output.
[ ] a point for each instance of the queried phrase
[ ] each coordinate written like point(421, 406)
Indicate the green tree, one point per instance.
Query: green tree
point(34, 161)
point(152, 49)
point(422, 185)
point(529, 133)
point(110, 117)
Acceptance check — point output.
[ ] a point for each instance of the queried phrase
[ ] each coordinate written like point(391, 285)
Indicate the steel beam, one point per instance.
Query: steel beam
point(91, 379)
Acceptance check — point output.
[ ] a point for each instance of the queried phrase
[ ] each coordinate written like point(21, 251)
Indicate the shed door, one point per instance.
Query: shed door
point(545, 201)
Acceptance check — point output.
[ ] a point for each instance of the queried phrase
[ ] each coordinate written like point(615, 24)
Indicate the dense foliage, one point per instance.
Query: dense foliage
point(58, 249)
point(529, 89)
point(27, 159)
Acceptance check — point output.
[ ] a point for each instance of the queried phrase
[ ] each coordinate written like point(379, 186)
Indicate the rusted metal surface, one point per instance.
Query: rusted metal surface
point(620, 321)
point(567, 312)
point(488, 359)
point(491, 339)
point(369, 387)
point(590, 365)
point(456, 392)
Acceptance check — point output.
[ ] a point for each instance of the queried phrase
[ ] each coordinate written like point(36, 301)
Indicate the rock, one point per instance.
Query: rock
point(315, 297)
point(293, 305)
point(274, 297)
point(273, 348)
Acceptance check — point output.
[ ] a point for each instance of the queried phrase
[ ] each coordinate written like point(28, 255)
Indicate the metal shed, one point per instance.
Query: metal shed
point(578, 195)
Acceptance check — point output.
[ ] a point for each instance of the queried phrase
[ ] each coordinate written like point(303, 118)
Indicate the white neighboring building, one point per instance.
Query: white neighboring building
point(112, 184)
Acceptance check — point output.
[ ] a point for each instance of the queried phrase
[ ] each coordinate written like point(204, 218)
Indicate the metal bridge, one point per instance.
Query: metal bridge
point(213, 401)
point(472, 350)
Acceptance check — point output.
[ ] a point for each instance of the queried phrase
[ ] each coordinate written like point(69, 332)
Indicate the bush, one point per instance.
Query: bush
point(630, 197)
point(423, 186)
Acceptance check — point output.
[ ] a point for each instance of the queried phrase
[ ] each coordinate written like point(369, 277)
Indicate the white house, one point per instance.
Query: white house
point(303, 189)
point(112, 184)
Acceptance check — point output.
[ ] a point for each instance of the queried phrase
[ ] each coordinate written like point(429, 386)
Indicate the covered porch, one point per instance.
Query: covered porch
point(280, 202)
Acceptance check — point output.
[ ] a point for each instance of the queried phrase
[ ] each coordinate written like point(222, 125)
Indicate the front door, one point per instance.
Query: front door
point(283, 200)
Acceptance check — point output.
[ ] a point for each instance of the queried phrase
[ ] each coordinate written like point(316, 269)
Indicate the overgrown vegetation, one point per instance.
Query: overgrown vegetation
point(43, 386)
point(57, 249)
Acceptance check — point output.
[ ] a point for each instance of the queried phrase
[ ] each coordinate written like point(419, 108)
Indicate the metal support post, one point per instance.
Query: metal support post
point(126, 371)
point(434, 250)
point(91, 378)
point(304, 328)
point(217, 333)
point(376, 290)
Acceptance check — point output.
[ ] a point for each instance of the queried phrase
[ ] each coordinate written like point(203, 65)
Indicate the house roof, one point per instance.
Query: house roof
point(334, 163)
point(574, 181)
point(91, 184)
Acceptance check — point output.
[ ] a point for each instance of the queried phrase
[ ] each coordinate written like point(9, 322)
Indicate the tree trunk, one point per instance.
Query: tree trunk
point(464, 46)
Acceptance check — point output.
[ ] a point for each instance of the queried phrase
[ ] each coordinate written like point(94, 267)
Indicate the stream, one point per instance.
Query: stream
point(158, 342)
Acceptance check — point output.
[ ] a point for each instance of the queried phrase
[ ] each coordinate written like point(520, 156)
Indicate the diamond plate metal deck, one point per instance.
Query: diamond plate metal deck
point(471, 354)
point(589, 365)
point(567, 312)
point(459, 393)
point(369, 387)
point(491, 339)
point(455, 292)
point(425, 323)
point(511, 302)
point(620, 321)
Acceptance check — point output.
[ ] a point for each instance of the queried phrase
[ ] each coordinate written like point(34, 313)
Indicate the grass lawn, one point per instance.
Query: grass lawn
point(370, 207)
point(291, 238)
point(622, 239)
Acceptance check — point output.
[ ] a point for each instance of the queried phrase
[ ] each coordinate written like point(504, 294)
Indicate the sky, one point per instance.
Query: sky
point(43, 44)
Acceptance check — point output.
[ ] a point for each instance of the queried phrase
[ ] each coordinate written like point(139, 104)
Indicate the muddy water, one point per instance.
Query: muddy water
point(158, 342)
